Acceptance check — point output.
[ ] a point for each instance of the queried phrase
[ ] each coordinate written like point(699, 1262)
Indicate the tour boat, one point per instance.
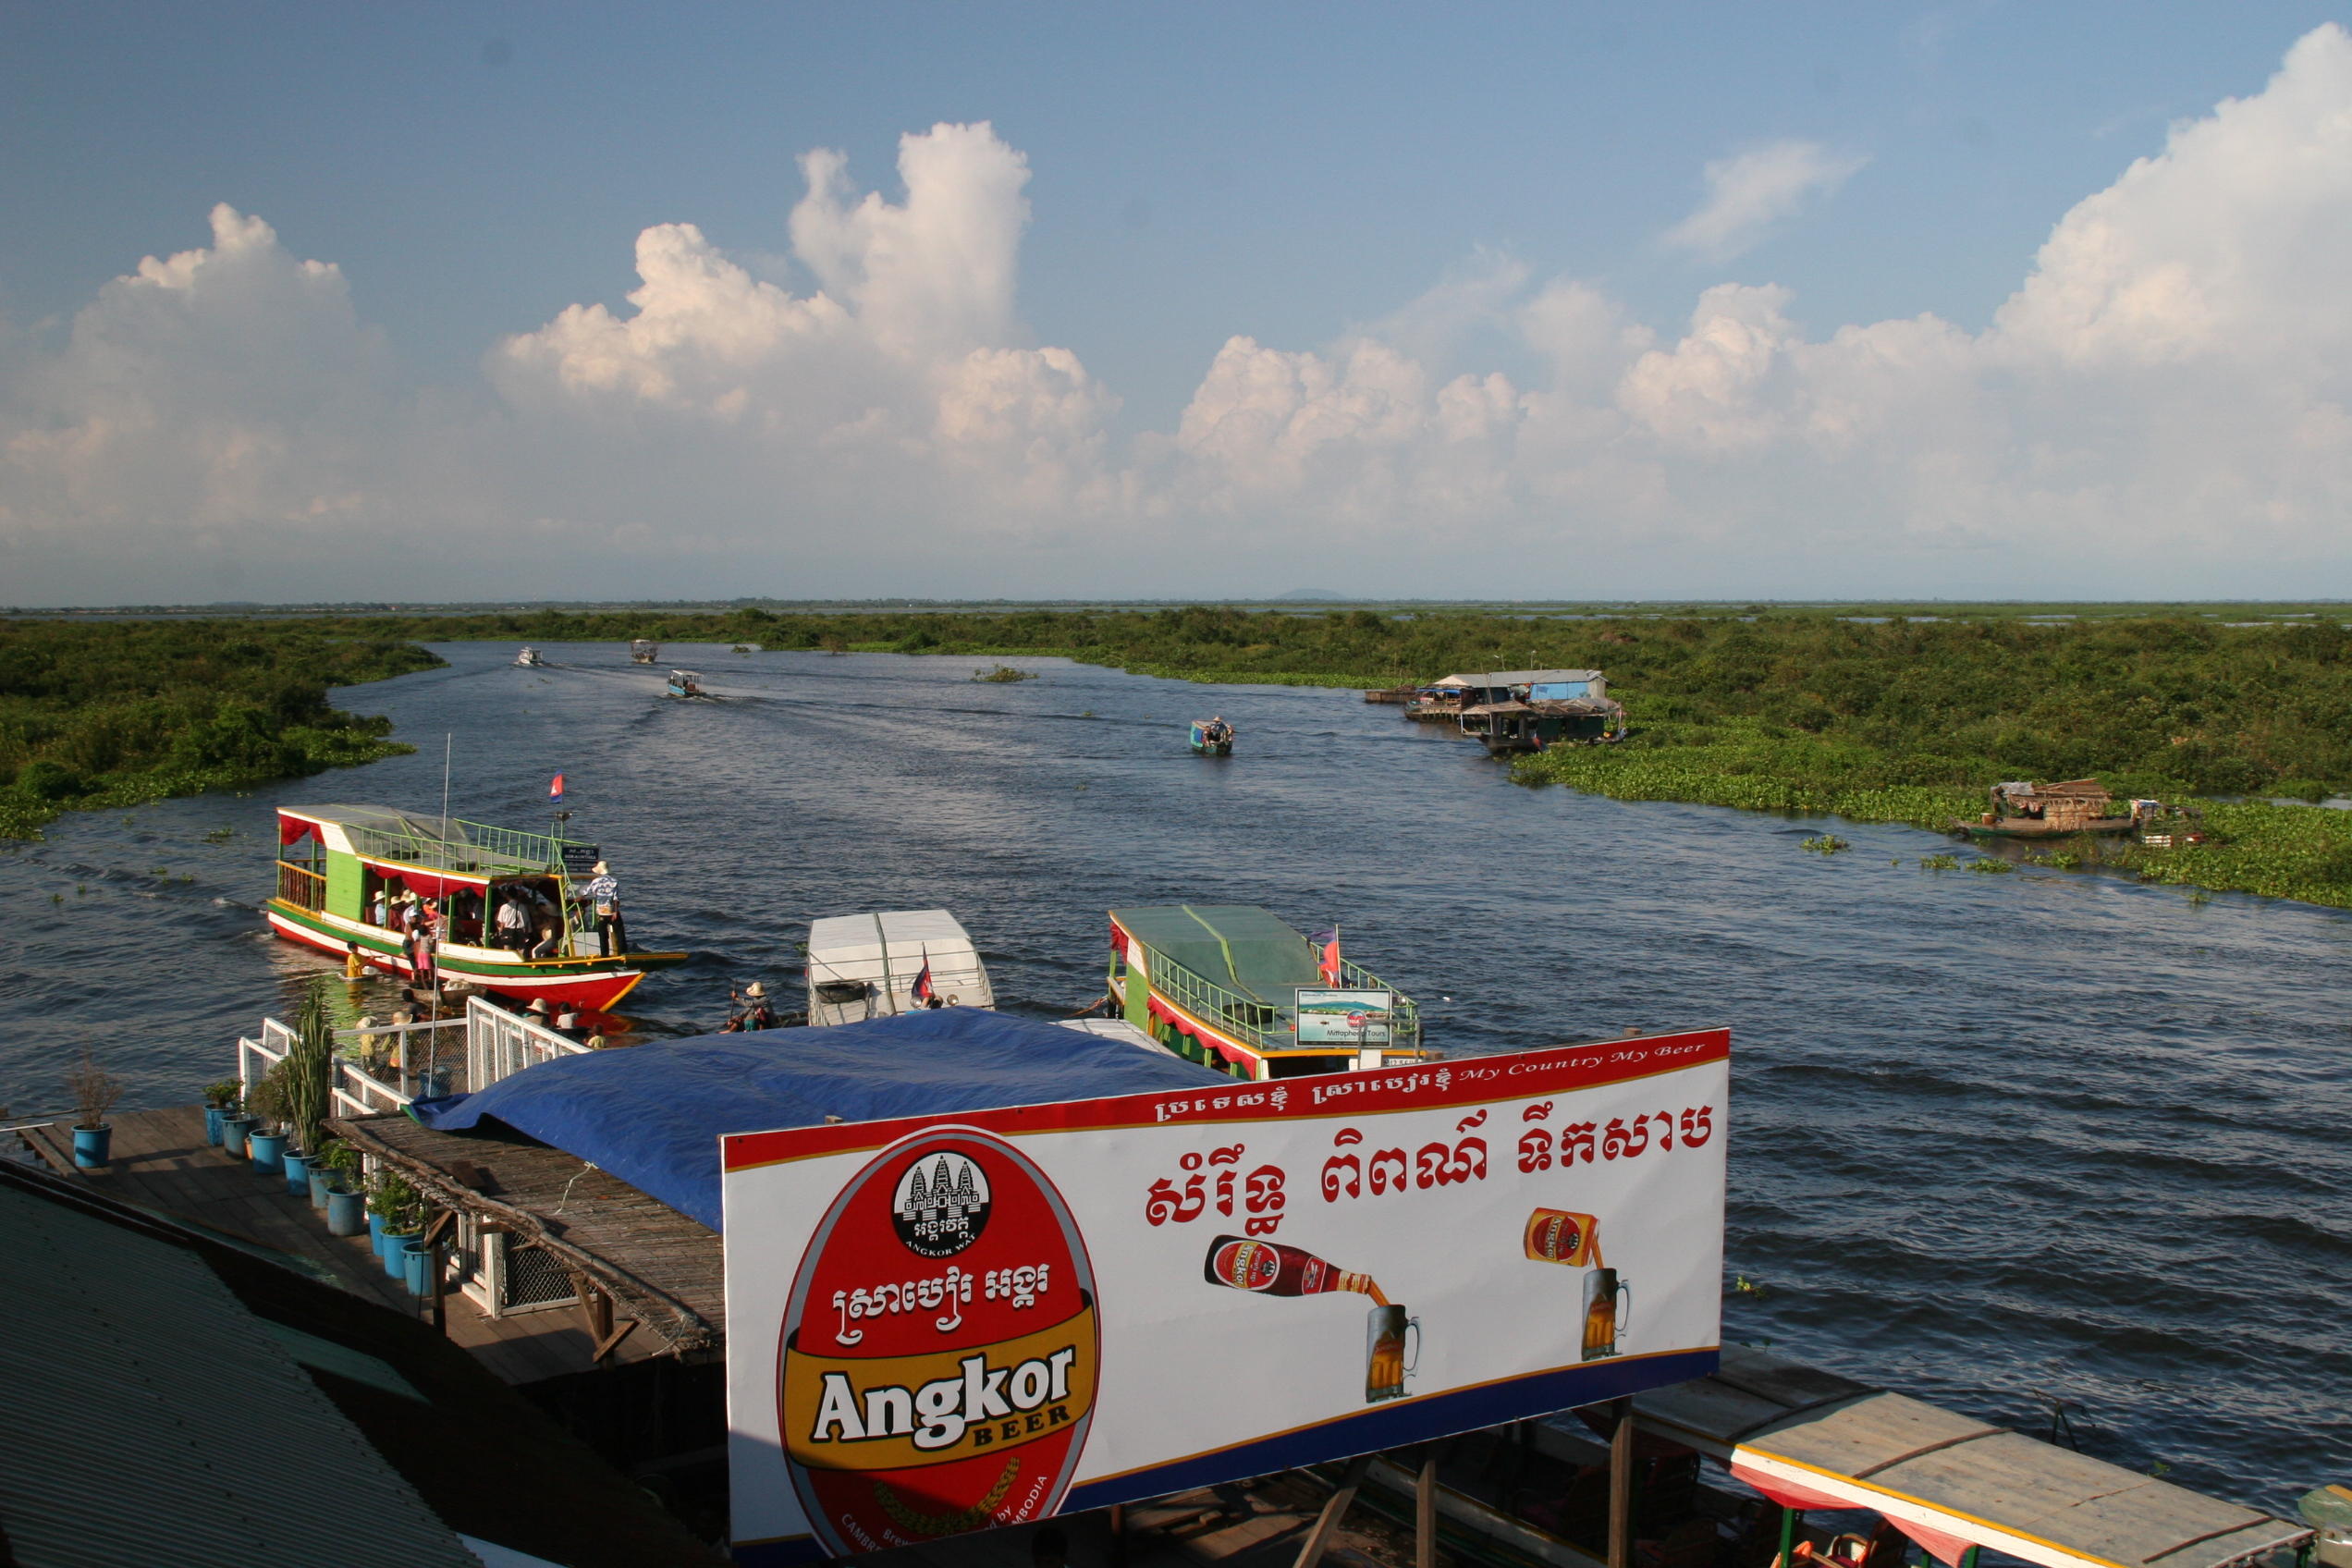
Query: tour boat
point(1212, 738)
point(644, 650)
point(685, 683)
point(342, 870)
point(1232, 987)
point(529, 658)
point(863, 967)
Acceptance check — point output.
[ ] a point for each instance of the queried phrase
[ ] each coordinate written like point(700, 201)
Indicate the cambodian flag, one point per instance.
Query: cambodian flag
point(924, 991)
point(555, 792)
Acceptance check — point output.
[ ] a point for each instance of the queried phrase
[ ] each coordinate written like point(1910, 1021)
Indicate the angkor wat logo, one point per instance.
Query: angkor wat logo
point(941, 1205)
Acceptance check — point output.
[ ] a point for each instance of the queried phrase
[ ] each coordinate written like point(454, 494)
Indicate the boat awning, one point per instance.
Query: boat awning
point(1809, 1439)
point(1497, 708)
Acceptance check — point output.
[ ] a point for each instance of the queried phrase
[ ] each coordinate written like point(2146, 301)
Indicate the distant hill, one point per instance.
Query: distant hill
point(1309, 594)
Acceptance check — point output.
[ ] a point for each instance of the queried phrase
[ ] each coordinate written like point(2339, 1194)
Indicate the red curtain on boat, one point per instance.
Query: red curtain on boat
point(427, 883)
point(1118, 941)
point(293, 830)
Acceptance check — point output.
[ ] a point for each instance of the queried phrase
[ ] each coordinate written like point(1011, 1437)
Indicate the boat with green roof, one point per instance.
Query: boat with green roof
point(1231, 986)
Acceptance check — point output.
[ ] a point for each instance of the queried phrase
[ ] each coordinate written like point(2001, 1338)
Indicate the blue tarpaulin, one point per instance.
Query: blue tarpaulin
point(652, 1115)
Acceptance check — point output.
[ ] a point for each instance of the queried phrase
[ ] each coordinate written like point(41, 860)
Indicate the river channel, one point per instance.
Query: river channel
point(1997, 1140)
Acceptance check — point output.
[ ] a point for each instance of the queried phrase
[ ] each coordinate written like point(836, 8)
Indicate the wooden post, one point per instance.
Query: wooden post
point(1621, 1488)
point(1424, 1511)
point(1117, 1535)
point(1334, 1509)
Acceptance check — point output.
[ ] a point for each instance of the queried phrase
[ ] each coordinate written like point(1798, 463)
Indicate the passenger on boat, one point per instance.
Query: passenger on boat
point(514, 924)
point(378, 910)
point(605, 893)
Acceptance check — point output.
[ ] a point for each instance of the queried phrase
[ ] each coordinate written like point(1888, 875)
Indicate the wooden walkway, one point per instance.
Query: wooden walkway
point(162, 1163)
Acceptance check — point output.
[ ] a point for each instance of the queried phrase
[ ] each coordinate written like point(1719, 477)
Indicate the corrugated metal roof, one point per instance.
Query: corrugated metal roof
point(174, 1427)
point(1518, 677)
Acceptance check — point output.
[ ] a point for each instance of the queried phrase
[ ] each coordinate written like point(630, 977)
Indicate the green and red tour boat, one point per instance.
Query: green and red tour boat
point(341, 869)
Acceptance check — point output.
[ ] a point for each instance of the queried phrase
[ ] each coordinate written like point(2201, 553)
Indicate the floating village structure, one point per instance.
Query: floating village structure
point(2024, 810)
point(1521, 710)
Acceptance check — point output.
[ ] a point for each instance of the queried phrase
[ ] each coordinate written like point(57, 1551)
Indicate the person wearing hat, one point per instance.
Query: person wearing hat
point(752, 1010)
point(604, 891)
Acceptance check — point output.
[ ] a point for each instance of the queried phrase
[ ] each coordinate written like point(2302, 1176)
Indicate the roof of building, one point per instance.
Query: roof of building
point(1519, 678)
point(1811, 1438)
point(206, 1402)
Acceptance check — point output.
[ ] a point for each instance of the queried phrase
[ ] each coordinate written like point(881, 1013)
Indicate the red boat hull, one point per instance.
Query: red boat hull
point(588, 986)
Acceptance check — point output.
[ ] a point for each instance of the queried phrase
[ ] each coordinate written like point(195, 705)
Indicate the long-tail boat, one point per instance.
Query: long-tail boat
point(345, 872)
point(1228, 986)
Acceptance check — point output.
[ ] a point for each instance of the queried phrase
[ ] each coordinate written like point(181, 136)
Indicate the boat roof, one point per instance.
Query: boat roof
point(387, 833)
point(1238, 945)
point(848, 938)
point(1812, 1439)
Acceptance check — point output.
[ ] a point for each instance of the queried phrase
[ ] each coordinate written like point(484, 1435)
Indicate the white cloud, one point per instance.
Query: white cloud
point(1750, 191)
point(2159, 408)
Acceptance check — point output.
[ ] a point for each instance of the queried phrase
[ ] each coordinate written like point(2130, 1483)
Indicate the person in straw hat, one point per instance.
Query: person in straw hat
point(752, 1010)
point(603, 893)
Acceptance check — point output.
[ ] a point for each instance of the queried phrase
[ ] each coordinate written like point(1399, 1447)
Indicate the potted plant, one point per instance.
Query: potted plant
point(336, 1166)
point(94, 1092)
point(400, 1209)
point(265, 1141)
point(220, 1102)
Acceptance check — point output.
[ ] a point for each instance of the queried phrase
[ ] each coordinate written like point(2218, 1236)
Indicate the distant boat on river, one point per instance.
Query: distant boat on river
point(1212, 738)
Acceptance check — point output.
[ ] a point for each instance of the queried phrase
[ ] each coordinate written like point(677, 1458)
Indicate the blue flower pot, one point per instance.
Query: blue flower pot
point(416, 1265)
point(375, 1233)
point(212, 1115)
point(346, 1214)
point(394, 1241)
point(233, 1130)
point(92, 1146)
point(321, 1182)
point(268, 1150)
point(298, 1174)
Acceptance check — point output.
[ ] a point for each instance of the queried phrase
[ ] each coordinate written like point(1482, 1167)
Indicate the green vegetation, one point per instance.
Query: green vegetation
point(1826, 844)
point(118, 713)
point(1004, 674)
point(1859, 711)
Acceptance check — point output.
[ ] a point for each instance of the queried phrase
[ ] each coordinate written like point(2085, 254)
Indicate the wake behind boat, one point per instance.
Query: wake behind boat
point(508, 912)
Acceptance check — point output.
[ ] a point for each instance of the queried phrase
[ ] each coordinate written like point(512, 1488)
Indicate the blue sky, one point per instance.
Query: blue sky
point(1308, 179)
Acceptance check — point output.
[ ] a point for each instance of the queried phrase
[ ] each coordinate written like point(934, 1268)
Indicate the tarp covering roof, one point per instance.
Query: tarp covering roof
point(652, 1115)
point(1519, 676)
point(1810, 1439)
point(1240, 947)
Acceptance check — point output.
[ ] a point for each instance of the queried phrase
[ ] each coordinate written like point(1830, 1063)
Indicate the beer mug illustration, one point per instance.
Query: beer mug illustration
point(1385, 1364)
point(1608, 1301)
point(1555, 1235)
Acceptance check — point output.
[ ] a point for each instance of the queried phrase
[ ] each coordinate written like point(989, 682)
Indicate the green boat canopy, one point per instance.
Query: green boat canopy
point(1237, 946)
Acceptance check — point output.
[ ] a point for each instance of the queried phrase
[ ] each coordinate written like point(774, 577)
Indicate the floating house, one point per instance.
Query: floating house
point(1526, 710)
point(2024, 810)
point(1220, 984)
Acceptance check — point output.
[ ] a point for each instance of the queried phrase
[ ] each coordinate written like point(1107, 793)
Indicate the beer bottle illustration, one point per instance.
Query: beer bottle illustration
point(1251, 1262)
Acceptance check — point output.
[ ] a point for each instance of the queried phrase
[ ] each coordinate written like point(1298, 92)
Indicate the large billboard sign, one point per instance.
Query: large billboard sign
point(947, 1324)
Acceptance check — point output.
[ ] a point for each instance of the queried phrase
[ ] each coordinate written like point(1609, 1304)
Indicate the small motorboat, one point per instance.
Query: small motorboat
point(1212, 738)
point(863, 967)
point(644, 650)
point(687, 684)
point(529, 658)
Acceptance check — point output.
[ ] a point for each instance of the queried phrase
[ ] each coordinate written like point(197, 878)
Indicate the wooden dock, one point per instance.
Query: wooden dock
point(162, 1163)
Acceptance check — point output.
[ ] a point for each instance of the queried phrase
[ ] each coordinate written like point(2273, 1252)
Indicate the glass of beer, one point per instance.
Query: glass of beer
point(1607, 1302)
point(1556, 1235)
point(1386, 1366)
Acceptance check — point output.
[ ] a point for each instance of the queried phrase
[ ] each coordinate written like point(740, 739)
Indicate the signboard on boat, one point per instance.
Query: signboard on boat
point(580, 862)
point(946, 1324)
point(1344, 1017)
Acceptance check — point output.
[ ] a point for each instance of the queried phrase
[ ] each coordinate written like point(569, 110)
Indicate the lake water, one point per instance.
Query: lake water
point(1997, 1140)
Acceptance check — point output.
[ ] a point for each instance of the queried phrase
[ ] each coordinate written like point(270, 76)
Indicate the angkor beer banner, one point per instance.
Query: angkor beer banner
point(947, 1324)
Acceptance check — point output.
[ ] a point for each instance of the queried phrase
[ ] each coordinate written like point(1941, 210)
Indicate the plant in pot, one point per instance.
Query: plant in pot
point(400, 1209)
point(265, 1140)
point(94, 1092)
point(220, 1102)
point(307, 1088)
point(345, 1204)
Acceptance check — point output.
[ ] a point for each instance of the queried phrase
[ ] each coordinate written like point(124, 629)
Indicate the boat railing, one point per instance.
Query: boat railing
point(301, 887)
point(499, 1044)
point(1405, 1020)
point(1251, 1022)
point(471, 846)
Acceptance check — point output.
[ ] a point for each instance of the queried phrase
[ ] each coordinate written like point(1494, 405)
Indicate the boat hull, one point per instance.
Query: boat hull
point(591, 984)
point(2014, 828)
point(1214, 748)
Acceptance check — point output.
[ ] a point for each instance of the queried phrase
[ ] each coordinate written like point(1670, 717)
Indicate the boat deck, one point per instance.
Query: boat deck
point(162, 1163)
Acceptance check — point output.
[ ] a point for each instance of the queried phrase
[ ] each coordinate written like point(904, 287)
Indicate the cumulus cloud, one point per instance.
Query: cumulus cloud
point(1750, 191)
point(2161, 407)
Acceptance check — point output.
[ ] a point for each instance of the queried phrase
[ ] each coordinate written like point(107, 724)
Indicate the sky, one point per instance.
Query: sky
point(488, 301)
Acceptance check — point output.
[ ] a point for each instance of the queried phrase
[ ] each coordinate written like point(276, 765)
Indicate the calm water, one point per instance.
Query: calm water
point(1998, 1139)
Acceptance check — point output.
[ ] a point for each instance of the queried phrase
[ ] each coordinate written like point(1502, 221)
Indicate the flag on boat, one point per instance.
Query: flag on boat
point(924, 991)
point(555, 792)
point(1327, 954)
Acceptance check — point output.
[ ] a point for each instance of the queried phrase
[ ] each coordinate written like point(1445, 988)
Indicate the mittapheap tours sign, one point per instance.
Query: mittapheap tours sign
point(947, 1324)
